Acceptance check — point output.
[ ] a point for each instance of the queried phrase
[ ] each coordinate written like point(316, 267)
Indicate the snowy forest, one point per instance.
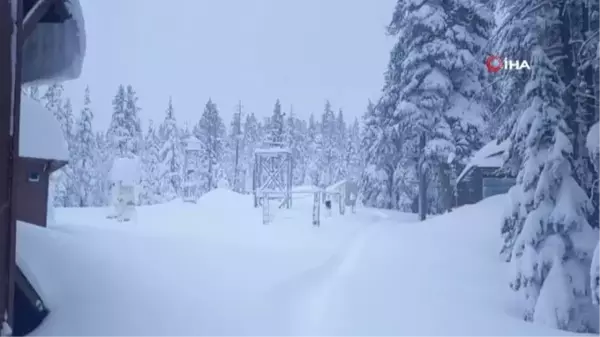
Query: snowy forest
point(225, 159)
point(438, 105)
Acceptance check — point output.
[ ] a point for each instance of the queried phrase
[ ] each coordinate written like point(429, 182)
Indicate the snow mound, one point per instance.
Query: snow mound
point(491, 155)
point(127, 171)
point(306, 189)
point(222, 198)
point(593, 139)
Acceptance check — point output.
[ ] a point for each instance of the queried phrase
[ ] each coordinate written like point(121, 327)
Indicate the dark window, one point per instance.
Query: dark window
point(494, 186)
point(34, 177)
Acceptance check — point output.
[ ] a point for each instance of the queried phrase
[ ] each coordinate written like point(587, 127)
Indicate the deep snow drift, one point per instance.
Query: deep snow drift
point(212, 268)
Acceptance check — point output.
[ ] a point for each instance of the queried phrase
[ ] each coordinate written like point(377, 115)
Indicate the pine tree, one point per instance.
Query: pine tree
point(276, 126)
point(82, 156)
point(132, 120)
point(314, 146)
point(119, 131)
point(552, 238)
point(151, 167)
point(210, 130)
point(328, 154)
point(171, 156)
point(251, 141)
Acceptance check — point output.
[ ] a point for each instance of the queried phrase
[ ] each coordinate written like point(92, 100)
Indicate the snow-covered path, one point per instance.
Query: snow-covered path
point(370, 273)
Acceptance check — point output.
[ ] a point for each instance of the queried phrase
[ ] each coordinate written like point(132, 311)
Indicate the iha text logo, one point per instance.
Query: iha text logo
point(496, 63)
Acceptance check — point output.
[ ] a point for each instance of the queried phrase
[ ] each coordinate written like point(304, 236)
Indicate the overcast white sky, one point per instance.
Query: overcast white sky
point(300, 51)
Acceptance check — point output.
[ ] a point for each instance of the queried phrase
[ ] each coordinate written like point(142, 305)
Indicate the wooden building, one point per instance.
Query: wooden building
point(482, 177)
point(41, 41)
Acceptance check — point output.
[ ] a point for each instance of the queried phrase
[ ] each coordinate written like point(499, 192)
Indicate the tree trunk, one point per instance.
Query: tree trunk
point(422, 179)
point(446, 188)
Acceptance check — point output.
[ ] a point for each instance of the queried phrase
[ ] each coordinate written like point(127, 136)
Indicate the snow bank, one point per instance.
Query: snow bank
point(40, 133)
point(593, 139)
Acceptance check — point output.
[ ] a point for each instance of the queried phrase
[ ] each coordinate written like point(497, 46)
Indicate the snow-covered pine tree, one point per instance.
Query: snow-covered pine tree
point(553, 241)
point(352, 156)
point(210, 130)
point(339, 136)
point(295, 134)
point(593, 146)
point(276, 126)
point(328, 154)
point(252, 140)
point(314, 146)
point(119, 133)
point(132, 120)
point(82, 155)
point(171, 156)
point(151, 168)
point(434, 74)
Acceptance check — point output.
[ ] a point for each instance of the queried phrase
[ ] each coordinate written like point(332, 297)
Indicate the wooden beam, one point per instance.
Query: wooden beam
point(35, 15)
point(10, 93)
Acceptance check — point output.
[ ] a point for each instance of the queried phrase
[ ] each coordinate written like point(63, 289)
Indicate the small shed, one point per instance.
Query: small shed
point(42, 151)
point(482, 177)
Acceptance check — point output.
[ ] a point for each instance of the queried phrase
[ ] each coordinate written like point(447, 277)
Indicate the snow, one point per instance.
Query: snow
point(193, 143)
point(272, 151)
point(126, 170)
point(593, 139)
point(55, 52)
point(40, 134)
point(490, 155)
point(203, 269)
point(336, 187)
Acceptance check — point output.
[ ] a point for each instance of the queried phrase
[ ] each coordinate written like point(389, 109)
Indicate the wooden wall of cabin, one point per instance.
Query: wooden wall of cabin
point(32, 177)
point(470, 189)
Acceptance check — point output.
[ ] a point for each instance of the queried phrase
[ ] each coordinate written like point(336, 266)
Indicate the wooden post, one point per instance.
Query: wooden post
point(422, 178)
point(10, 93)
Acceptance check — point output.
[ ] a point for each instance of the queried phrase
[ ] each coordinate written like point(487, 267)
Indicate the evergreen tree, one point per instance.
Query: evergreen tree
point(171, 156)
point(547, 229)
point(251, 141)
point(151, 167)
point(276, 126)
point(328, 154)
point(82, 155)
point(210, 130)
point(132, 120)
point(119, 131)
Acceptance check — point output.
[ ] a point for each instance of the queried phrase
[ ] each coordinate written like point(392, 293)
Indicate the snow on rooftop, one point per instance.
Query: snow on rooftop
point(40, 134)
point(335, 187)
point(273, 150)
point(55, 52)
point(127, 171)
point(489, 156)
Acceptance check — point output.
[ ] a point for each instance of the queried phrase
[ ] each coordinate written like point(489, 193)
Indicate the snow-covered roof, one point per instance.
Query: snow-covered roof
point(489, 156)
point(126, 170)
point(40, 134)
point(335, 187)
point(192, 143)
point(273, 150)
point(54, 52)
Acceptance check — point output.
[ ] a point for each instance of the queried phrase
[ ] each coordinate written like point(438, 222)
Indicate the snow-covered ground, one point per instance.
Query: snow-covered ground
point(212, 268)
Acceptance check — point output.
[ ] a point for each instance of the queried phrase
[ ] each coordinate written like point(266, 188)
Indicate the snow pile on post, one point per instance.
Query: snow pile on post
point(55, 52)
point(40, 133)
point(126, 171)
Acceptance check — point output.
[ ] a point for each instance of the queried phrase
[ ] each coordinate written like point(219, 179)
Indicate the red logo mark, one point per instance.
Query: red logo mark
point(494, 63)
